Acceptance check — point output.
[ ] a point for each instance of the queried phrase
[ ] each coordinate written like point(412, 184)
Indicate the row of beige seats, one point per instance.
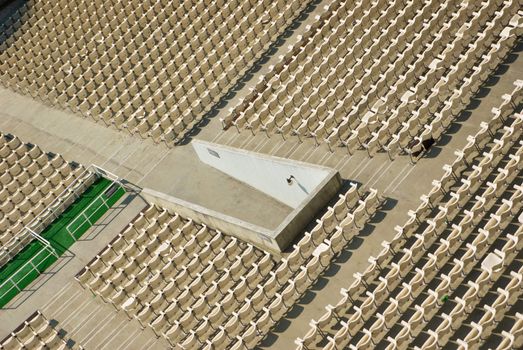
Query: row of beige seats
point(426, 75)
point(355, 138)
point(149, 67)
point(441, 187)
point(507, 126)
point(322, 67)
point(30, 181)
point(506, 295)
point(194, 285)
point(392, 266)
point(478, 255)
point(465, 306)
point(389, 279)
point(465, 294)
point(268, 301)
point(496, 329)
point(434, 78)
point(300, 269)
point(306, 60)
point(168, 272)
point(513, 338)
point(456, 97)
point(37, 333)
point(396, 77)
point(394, 70)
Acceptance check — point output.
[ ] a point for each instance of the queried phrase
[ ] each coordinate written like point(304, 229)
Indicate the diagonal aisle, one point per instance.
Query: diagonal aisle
point(97, 325)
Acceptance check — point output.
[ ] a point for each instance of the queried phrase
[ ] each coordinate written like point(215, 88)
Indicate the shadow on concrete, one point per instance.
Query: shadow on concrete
point(109, 217)
point(257, 65)
point(131, 187)
point(387, 205)
point(445, 139)
point(378, 216)
point(62, 333)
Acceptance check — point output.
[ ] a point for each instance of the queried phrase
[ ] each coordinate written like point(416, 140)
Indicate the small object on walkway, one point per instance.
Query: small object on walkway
point(427, 144)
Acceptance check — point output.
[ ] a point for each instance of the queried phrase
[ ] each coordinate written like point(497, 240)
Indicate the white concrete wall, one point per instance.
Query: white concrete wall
point(266, 174)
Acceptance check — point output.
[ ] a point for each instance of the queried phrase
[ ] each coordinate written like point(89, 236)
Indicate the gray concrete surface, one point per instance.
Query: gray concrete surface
point(97, 325)
point(275, 237)
point(268, 174)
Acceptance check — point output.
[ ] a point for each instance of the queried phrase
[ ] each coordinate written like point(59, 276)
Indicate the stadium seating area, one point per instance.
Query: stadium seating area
point(30, 180)
point(457, 258)
point(37, 333)
point(358, 86)
point(382, 75)
point(151, 67)
point(198, 287)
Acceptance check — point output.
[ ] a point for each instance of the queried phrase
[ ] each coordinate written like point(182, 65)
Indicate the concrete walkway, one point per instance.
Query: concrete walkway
point(97, 325)
point(174, 171)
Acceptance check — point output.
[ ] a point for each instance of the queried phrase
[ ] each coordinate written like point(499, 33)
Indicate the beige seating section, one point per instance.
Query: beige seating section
point(30, 181)
point(152, 67)
point(196, 286)
point(382, 75)
point(455, 267)
point(365, 76)
point(37, 333)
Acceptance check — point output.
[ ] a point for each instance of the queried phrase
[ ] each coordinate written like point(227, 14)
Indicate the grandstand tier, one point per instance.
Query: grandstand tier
point(460, 249)
point(30, 181)
point(153, 68)
point(199, 287)
point(382, 75)
point(387, 135)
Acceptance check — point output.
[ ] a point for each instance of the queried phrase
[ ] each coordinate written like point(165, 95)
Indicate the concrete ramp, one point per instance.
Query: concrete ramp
point(306, 188)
